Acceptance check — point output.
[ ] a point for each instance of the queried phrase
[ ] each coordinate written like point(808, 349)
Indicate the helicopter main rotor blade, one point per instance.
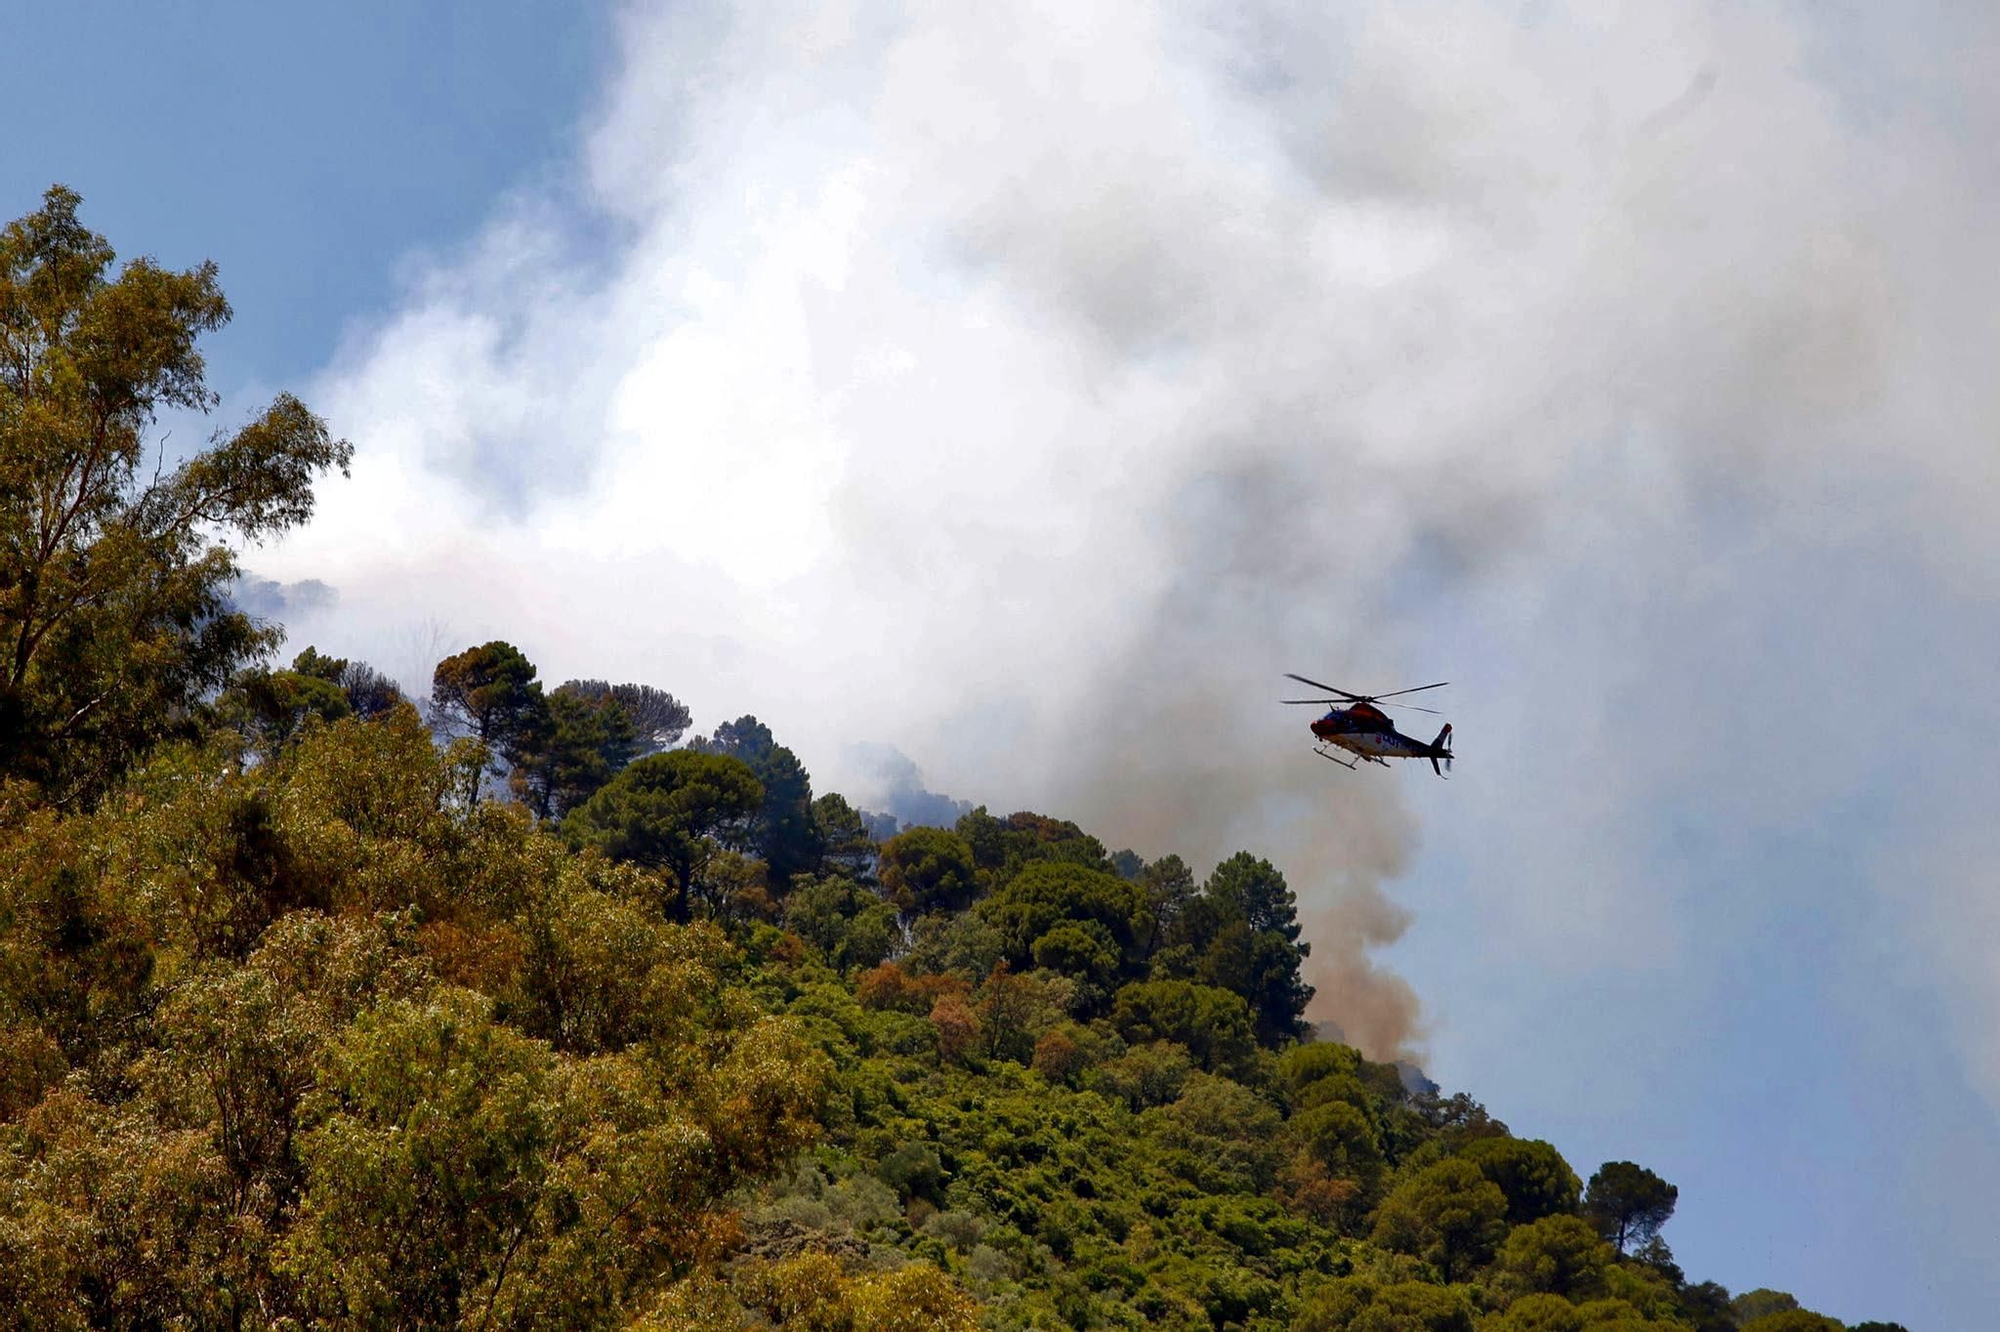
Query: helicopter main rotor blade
point(1353, 698)
point(1414, 689)
point(1336, 702)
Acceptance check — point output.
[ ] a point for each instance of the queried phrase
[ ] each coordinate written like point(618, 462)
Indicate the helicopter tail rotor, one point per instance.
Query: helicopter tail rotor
point(1442, 748)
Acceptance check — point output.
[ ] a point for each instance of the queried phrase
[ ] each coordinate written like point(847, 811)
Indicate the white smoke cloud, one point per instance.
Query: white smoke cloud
point(1027, 386)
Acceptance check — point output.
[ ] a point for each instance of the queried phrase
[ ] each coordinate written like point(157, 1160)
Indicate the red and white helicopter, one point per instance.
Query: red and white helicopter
point(1355, 723)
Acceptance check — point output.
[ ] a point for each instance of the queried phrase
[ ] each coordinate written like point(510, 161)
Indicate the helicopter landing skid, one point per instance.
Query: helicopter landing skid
point(1327, 754)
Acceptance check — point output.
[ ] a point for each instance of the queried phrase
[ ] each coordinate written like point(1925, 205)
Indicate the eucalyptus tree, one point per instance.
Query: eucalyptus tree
point(115, 565)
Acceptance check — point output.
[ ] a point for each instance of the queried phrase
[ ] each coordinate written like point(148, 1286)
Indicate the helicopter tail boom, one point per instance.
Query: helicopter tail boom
point(1441, 749)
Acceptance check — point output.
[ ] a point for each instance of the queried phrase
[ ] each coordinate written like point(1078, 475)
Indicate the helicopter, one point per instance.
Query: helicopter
point(1357, 724)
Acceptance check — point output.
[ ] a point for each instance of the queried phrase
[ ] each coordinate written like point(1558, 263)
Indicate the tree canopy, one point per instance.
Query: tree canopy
point(1628, 1202)
point(115, 618)
point(668, 811)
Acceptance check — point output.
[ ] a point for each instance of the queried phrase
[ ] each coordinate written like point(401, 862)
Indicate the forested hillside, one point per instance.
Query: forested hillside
point(507, 1006)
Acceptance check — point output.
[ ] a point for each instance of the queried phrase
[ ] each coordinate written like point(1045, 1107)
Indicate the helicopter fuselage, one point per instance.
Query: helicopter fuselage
point(1366, 732)
point(1363, 730)
point(1378, 744)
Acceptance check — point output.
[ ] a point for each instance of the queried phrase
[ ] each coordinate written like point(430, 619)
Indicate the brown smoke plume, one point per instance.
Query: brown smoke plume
point(1181, 746)
point(1338, 837)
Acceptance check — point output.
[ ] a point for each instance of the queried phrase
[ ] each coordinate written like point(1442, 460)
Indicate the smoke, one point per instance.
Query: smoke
point(267, 599)
point(1030, 386)
point(890, 781)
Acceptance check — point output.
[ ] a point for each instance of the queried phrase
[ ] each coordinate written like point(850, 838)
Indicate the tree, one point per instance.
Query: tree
point(666, 812)
point(1228, 1130)
point(1213, 1024)
point(850, 926)
point(1628, 1203)
point(783, 832)
point(810, 1292)
point(1704, 1306)
point(273, 706)
point(115, 621)
point(657, 718)
point(584, 743)
point(1542, 1313)
point(490, 694)
point(369, 692)
point(927, 869)
point(1005, 845)
point(1754, 1304)
point(1083, 949)
point(1456, 1118)
point(1254, 890)
point(1448, 1214)
point(1240, 933)
point(1357, 1304)
point(1533, 1175)
point(957, 1027)
point(1340, 1138)
point(1557, 1255)
point(844, 838)
point(1007, 1007)
point(1794, 1320)
point(1049, 893)
point(1058, 1057)
point(1169, 886)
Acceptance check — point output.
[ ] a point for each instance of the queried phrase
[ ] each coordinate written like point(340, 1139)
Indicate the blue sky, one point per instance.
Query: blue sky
point(1028, 390)
point(309, 150)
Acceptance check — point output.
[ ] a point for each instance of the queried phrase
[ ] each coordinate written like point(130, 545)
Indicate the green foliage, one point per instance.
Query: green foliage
point(1762, 1302)
point(1357, 1304)
point(322, 1040)
point(966, 945)
point(782, 831)
point(1628, 1203)
point(668, 812)
point(813, 1293)
point(1704, 1306)
point(653, 718)
point(1447, 1214)
point(1533, 1175)
point(927, 869)
point(1343, 1140)
point(1001, 847)
point(273, 707)
point(489, 693)
point(1647, 1291)
point(1239, 933)
point(115, 620)
point(1537, 1313)
point(1151, 1074)
point(1213, 1024)
point(357, 1052)
point(1169, 886)
point(584, 743)
point(1556, 1255)
point(1083, 949)
point(1049, 895)
point(843, 837)
point(1794, 1320)
point(428, 1143)
point(850, 926)
point(1220, 1135)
